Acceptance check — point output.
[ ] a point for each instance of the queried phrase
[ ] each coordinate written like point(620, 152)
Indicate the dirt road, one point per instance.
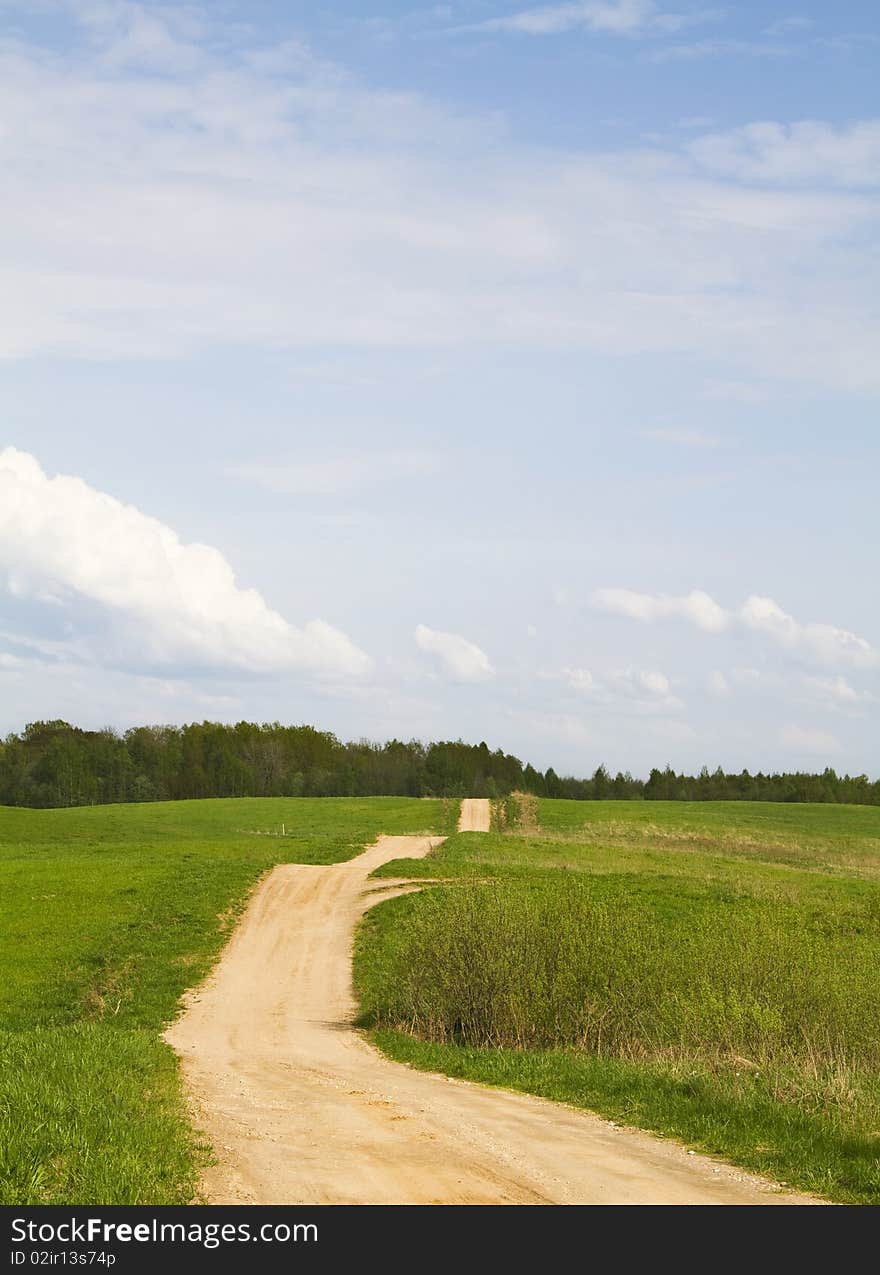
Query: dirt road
point(300, 1109)
point(475, 816)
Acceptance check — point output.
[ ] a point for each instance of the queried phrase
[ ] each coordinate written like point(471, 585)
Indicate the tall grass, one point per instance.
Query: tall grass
point(711, 973)
point(601, 966)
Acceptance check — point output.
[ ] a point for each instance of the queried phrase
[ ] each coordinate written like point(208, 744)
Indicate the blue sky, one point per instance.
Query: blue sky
point(471, 369)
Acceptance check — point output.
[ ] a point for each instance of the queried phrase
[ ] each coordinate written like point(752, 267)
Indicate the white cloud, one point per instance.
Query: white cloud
point(697, 607)
point(165, 602)
point(339, 474)
point(808, 151)
point(784, 26)
point(807, 741)
point(656, 683)
point(697, 49)
point(637, 689)
point(767, 615)
point(617, 17)
point(837, 692)
point(464, 660)
point(202, 195)
point(609, 17)
point(824, 643)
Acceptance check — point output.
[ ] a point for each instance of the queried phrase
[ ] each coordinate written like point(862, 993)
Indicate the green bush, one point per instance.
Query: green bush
point(598, 965)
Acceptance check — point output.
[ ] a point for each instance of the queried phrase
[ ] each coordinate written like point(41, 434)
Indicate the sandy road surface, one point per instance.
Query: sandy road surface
point(475, 816)
point(300, 1109)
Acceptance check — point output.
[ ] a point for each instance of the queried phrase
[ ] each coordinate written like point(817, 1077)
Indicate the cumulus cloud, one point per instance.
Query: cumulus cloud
point(167, 602)
point(463, 660)
point(656, 683)
point(697, 607)
point(638, 689)
point(821, 643)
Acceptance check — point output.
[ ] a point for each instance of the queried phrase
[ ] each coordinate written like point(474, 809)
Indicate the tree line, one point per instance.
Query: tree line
point(52, 764)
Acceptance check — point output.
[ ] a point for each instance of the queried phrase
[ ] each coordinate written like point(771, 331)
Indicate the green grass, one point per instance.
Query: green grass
point(824, 837)
point(708, 977)
point(106, 915)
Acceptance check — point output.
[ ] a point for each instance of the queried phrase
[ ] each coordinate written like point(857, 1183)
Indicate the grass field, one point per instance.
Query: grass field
point(708, 971)
point(107, 914)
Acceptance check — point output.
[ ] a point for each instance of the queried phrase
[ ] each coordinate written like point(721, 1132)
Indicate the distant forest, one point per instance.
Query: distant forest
point(55, 764)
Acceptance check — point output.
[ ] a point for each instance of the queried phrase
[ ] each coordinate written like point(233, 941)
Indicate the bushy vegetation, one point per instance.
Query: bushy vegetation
point(53, 764)
point(636, 969)
point(106, 915)
point(716, 980)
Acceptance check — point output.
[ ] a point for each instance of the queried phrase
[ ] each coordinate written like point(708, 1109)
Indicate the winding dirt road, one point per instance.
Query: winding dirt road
point(300, 1109)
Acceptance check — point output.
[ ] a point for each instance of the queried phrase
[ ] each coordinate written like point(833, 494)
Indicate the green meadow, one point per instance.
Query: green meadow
point(708, 971)
point(107, 914)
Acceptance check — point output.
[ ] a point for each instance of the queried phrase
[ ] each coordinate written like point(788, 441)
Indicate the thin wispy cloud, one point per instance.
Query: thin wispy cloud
point(805, 152)
point(682, 437)
point(600, 17)
point(596, 17)
point(697, 49)
point(785, 26)
point(253, 198)
point(617, 17)
point(809, 741)
point(341, 473)
point(717, 684)
point(838, 692)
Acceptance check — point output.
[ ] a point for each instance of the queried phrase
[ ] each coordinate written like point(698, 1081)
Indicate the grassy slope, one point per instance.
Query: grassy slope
point(827, 838)
point(732, 897)
point(106, 915)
